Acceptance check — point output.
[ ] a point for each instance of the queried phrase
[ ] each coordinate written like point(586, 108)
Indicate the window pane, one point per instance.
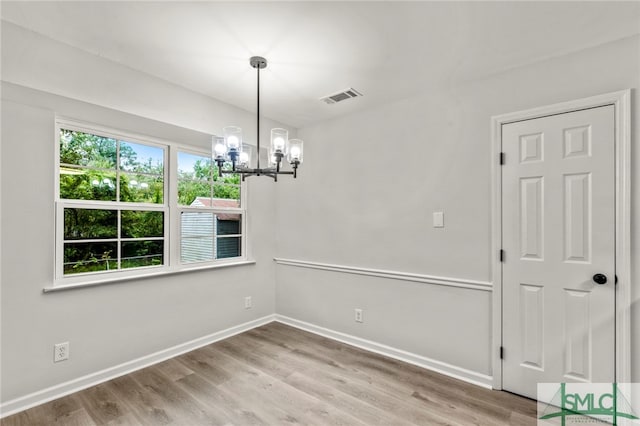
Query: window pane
point(142, 253)
point(194, 193)
point(227, 185)
point(197, 242)
point(196, 249)
point(89, 257)
point(196, 224)
point(87, 184)
point(228, 247)
point(228, 224)
point(140, 158)
point(90, 224)
point(192, 166)
point(136, 188)
point(85, 149)
point(140, 224)
point(226, 191)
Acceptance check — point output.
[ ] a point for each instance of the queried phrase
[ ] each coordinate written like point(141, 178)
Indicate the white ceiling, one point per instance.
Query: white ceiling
point(386, 50)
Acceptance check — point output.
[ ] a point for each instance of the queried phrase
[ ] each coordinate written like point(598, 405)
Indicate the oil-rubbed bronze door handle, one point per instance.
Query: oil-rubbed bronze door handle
point(600, 279)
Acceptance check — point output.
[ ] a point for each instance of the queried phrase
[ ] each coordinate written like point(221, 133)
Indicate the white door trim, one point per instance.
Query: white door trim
point(622, 103)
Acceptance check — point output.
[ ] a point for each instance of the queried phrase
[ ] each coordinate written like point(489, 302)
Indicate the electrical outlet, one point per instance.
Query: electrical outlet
point(248, 303)
point(359, 315)
point(60, 351)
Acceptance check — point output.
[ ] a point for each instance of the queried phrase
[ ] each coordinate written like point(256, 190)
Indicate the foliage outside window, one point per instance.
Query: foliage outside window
point(112, 203)
point(210, 210)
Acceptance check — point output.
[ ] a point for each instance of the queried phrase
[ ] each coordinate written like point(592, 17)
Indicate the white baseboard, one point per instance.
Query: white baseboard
point(75, 385)
point(408, 357)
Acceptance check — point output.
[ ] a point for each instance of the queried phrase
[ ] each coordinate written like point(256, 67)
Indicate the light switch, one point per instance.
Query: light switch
point(438, 219)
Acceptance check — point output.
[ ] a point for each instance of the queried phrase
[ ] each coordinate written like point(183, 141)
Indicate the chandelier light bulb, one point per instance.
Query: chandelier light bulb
point(278, 143)
point(295, 152)
point(219, 148)
point(233, 141)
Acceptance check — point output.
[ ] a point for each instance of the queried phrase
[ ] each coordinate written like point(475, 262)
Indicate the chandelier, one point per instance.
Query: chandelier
point(231, 149)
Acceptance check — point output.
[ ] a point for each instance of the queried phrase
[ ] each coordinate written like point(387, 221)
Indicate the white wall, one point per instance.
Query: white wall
point(371, 181)
point(111, 324)
point(389, 169)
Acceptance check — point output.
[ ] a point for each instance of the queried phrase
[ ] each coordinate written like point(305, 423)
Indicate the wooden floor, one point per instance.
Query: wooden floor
point(276, 375)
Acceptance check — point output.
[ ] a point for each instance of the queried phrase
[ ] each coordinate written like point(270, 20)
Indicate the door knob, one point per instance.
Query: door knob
point(600, 279)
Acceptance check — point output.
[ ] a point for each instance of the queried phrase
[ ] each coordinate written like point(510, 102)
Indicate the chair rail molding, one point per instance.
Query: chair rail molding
point(395, 275)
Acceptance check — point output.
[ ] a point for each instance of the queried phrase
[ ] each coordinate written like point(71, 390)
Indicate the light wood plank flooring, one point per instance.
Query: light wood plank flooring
point(276, 375)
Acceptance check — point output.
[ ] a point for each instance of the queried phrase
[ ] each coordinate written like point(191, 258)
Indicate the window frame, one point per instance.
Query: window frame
point(179, 209)
point(170, 208)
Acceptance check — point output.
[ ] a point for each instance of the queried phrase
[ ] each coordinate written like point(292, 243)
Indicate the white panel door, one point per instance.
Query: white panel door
point(558, 202)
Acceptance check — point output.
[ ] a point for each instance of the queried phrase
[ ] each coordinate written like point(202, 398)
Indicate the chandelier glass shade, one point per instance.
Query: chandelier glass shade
point(230, 147)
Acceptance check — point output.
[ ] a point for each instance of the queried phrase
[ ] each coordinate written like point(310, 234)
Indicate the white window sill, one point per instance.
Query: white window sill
point(110, 280)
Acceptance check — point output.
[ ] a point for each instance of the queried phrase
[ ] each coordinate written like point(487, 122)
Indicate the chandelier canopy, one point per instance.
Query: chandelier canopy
point(230, 147)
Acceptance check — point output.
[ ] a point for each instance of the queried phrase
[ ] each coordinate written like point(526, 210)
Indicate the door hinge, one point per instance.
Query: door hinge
point(501, 352)
point(502, 255)
point(502, 158)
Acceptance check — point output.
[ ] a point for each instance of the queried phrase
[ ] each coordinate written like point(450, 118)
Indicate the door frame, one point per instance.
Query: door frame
point(621, 101)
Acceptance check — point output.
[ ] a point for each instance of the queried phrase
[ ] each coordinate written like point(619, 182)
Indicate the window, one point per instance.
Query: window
point(111, 202)
point(210, 210)
point(114, 206)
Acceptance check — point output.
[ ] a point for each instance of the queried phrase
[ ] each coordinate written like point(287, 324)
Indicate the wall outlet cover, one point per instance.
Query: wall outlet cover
point(60, 351)
point(358, 315)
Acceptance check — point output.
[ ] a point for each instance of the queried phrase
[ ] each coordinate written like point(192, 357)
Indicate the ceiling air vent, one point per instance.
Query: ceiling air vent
point(341, 96)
